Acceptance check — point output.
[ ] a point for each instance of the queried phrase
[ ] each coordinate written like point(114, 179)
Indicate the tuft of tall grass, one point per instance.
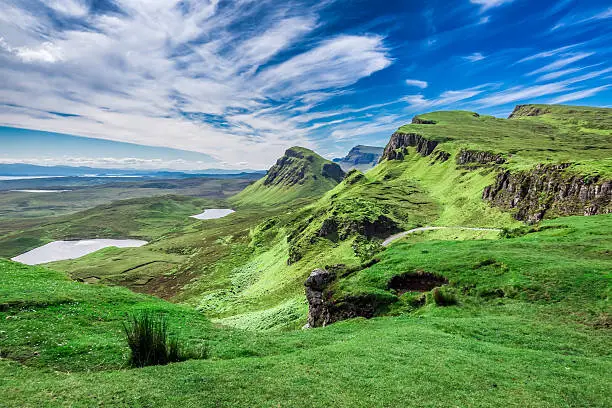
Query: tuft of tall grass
point(149, 342)
point(443, 297)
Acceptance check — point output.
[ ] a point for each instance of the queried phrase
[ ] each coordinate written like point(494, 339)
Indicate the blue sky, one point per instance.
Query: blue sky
point(240, 81)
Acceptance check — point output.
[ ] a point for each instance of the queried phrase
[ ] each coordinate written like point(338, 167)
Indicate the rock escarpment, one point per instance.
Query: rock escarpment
point(528, 110)
point(549, 190)
point(417, 120)
point(466, 157)
point(297, 165)
point(316, 284)
point(360, 157)
point(396, 148)
point(324, 310)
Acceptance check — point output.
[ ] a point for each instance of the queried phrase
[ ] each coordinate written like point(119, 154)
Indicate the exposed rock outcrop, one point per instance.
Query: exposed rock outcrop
point(333, 171)
point(316, 284)
point(323, 310)
point(381, 226)
point(528, 110)
point(549, 190)
point(360, 157)
point(420, 121)
point(297, 165)
point(466, 157)
point(395, 149)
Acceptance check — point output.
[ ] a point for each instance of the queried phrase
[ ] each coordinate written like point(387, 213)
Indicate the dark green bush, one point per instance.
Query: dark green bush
point(149, 342)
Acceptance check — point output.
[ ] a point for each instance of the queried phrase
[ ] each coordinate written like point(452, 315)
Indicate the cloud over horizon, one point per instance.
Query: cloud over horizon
point(243, 80)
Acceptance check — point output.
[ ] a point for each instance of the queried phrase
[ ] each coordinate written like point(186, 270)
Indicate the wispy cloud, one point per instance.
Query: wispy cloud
point(417, 83)
point(562, 62)
point(445, 98)
point(474, 57)
point(574, 96)
point(487, 4)
point(154, 71)
point(549, 53)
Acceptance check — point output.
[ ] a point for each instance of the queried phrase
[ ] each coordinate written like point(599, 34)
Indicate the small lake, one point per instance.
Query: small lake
point(39, 191)
point(61, 250)
point(213, 213)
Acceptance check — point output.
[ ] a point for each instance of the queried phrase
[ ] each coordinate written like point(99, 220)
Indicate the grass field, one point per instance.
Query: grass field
point(545, 343)
point(522, 320)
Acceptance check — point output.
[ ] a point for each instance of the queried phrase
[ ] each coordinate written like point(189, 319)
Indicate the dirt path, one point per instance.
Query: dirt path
point(395, 237)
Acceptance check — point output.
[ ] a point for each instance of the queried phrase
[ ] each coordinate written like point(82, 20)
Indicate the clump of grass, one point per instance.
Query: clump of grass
point(149, 342)
point(443, 297)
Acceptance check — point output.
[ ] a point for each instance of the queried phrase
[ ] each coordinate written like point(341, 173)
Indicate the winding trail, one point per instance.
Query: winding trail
point(395, 237)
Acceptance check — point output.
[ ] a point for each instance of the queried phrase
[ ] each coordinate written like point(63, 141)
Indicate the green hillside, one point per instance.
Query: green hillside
point(543, 341)
point(300, 173)
point(506, 303)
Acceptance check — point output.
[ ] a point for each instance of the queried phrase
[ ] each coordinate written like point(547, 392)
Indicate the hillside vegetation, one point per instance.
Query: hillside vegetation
point(299, 173)
point(542, 341)
point(455, 317)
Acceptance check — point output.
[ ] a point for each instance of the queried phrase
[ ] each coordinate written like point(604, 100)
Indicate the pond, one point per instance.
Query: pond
point(213, 213)
point(61, 250)
point(39, 191)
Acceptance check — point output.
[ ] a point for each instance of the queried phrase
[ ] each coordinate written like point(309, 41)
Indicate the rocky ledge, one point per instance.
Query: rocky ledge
point(395, 149)
point(466, 157)
point(549, 190)
point(323, 310)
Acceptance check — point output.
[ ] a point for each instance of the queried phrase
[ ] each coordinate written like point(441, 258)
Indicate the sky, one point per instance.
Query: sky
point(238, 82)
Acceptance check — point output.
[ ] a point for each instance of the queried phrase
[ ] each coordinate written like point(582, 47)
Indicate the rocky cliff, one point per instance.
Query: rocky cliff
point(296, 165)
point(549, 190)
point(360, 157)
point(324, 310)
point(396, 148)
point(466, 157)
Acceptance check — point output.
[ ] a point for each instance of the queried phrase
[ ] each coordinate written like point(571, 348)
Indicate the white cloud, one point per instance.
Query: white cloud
point(417, 83)
point(446, 98)
point(474, 57)
point(45, 52)
point(521, 93)
point(177, 74)
point(487, 4)
point(549, 53)
point(560, 63)
point(337, 62)
point(72, 8)
point(557, 74)
point(574, 96)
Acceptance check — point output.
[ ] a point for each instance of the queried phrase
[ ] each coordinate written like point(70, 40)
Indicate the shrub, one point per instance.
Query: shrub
point(444, 297)
point(147, 337)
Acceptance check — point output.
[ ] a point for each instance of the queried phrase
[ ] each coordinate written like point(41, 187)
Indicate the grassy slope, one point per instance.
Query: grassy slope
point(545, 346)
point(313, 185)
point(145, 218)
point(565, 134)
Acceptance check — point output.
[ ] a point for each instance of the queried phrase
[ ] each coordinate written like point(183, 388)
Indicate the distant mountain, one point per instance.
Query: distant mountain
point(298, 173)
point(21, 169)
point(360, 157)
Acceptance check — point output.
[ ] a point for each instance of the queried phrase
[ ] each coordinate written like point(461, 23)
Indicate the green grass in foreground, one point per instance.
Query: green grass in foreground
point(546, 346)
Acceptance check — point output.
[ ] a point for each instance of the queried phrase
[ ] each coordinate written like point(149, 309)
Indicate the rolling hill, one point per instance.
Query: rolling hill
point(505, 303)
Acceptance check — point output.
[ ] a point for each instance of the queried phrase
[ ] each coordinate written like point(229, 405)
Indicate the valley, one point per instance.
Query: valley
point(472, 262)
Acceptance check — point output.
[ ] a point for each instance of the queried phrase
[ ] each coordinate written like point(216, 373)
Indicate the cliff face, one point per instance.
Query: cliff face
point(528, 110)
point(297, 164)
point(395, 149)
point(360, 157)
point(322, 310)
point(549, 190)
point(466, 157)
